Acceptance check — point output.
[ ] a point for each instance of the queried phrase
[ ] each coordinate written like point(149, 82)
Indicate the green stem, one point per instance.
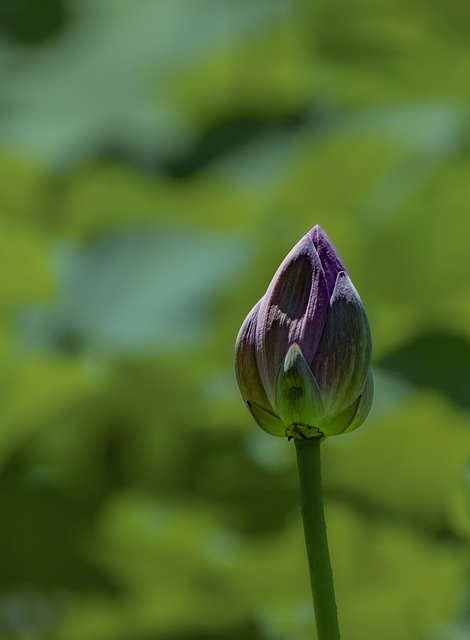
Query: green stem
point(321, 576)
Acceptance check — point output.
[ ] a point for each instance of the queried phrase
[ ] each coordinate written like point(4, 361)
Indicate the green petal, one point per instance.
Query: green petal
point(343, 356)
point(298, 398)
point(339, 422)
point(365, 403)
point(267, 421)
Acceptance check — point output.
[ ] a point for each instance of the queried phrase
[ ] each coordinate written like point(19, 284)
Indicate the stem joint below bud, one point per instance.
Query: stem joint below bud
point(303, 432)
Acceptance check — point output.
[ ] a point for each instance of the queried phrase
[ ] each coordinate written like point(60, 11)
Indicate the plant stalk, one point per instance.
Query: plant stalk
point(321, 576)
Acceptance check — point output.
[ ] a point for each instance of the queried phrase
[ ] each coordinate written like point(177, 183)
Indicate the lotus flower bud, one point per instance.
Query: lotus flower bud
point(303, 354)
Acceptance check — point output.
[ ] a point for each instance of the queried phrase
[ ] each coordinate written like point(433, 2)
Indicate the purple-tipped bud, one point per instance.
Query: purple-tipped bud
point(303, 354)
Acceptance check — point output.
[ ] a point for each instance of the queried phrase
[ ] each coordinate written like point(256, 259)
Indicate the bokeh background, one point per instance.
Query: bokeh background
point(158, 159)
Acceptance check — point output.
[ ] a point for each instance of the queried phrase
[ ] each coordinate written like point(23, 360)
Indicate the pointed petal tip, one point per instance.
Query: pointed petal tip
point(345, 289)
point(315, 232)
point(329, 257)
point(293, 353)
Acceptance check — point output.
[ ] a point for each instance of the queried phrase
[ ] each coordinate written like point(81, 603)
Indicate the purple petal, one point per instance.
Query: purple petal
point(293, 310)
point(343, 356)
point(329, 257)
point(246, 367)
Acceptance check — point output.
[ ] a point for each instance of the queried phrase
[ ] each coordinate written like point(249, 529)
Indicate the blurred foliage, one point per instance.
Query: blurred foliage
point(32, 21)
point(157, 161)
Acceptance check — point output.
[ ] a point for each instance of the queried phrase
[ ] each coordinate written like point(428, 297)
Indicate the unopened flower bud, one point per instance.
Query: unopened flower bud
point(303, 353)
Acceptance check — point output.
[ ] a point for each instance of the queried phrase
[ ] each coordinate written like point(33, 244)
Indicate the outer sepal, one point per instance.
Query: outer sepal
point(267, 421)
point(298, 398)
point(339, 422)
point(364, 405)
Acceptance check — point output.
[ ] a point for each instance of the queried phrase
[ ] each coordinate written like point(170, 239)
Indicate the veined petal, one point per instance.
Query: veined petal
point(329, 257)
point(365, 403)
point(298, 398)
point(293, 310)
point(343, 356)
point(246, 367)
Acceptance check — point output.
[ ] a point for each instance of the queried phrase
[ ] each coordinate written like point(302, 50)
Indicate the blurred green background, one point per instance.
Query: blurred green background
point(158, 159)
